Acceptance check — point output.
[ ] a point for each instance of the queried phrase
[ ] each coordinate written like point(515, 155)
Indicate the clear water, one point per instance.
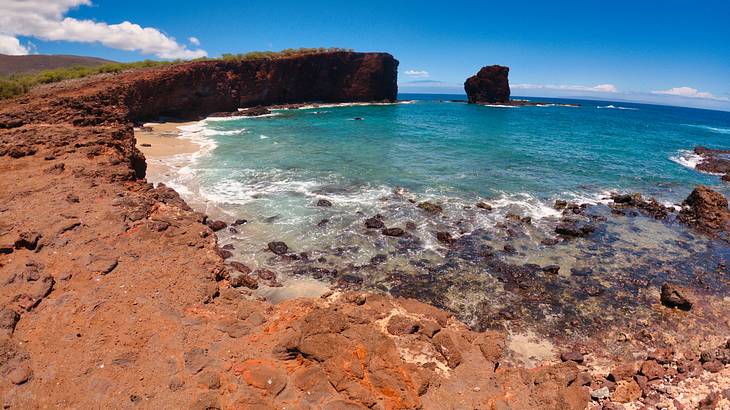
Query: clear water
point(272, 170)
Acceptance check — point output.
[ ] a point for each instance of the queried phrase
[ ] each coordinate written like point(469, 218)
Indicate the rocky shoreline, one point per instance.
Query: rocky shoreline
point(115, 291)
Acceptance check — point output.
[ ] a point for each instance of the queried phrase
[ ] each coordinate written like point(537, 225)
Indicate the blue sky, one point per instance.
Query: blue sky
point(672, 52)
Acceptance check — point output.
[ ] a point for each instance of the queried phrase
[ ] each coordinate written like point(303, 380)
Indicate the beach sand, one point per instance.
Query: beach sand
point(163, 140)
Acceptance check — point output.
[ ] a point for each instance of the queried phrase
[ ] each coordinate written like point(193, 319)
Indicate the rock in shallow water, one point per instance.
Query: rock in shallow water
point(278, 248)
point(673, 298)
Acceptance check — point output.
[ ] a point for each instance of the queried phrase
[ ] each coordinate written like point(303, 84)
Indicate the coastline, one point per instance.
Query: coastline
point(160, 140)
point(132, 277)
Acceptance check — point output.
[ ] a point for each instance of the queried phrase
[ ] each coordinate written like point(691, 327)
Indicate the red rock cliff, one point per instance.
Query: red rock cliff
point(195, 89)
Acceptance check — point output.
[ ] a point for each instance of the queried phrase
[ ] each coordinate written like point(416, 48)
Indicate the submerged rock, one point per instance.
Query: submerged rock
point(375, 222)
point(324, 203)
point(673, 298)
point(278, 248)
point(393, 232)
point(431, 207)
point(216, 225)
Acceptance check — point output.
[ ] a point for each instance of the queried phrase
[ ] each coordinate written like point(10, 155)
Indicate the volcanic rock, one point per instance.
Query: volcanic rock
point(489, 85)
point(706, 210)
point(393, 232)
point(672, 297)
point(279, 248)
point(374, 223)
point(216, 225)
point(324, 203)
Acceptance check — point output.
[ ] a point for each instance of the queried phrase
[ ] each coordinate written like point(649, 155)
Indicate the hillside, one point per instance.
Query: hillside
point(10, 65)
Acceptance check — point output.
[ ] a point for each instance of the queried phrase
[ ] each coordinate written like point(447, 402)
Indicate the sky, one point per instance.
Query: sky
point(674, 52)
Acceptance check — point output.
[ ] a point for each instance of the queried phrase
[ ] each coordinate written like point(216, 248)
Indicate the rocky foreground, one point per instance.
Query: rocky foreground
point(114, 293)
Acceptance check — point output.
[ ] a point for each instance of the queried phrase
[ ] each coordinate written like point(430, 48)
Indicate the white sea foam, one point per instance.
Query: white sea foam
point(241, 117)
point(352, 104)
point(717, 130)
point(687, 158)
point(500, 106)
point(613, 107)
point(263, 137)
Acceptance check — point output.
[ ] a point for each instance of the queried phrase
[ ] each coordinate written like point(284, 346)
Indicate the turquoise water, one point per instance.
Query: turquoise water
point(273, 170)
point(472, 151)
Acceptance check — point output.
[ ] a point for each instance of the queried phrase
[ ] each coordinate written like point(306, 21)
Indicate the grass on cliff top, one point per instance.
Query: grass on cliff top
point(14, 85)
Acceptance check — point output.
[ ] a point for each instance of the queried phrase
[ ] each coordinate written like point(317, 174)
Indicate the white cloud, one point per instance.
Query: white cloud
point(44, 19)
point(690, 92)
point(11, 46)
point(194, 41)
point(417, 73)
point(600, 88)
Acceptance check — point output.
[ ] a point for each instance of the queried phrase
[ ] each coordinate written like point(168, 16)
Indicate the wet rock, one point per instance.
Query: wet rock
point(402, 325)
point(560, 204)
point(224, 253)
point(279, 248)
point(324, 203)
point(240, 267)
point(28, 240)
point(20, 374)
point(228, 247)
point(551, 269)
point(393, 232)
point(672, 297)
point(509, 249)
point(574, 228)
point(378, 259)
point(216, 226)
point(244, 280)
point(484, 206)
point(444, 237)
point(374, 223)
point(431, 207)
point(571, 356)
point(323, 222)
point(238, 222)
point(266, 274)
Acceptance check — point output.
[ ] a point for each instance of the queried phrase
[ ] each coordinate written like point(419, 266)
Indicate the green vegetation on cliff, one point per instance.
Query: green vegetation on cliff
point(14, 85)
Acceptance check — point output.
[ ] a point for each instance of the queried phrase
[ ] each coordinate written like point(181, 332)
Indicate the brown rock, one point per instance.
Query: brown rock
point(713, 366)
point(240, 267)
point(27, 240)
point(652, 370)
point(431, 207)
point(20, 374)
point(706, 210)
point(279, 248)
point(402, 325)
point(374, 223)
point(572, 356)
point(485, 206)
point(324, 203)
point(624, 371)
point(244, 280)
point(626, 391)
point(393, 232)
point(216, 226)
point(445, 344)
point(672, 297)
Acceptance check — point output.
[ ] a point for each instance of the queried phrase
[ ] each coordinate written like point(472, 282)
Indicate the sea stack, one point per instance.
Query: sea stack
point(490, 85)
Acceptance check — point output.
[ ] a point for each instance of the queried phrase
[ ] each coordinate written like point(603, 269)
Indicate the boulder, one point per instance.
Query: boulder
point(278, 248)
point(490, 85)
point(706, 210)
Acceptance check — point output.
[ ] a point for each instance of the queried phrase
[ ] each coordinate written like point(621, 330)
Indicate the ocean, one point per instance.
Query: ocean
point(384, 159)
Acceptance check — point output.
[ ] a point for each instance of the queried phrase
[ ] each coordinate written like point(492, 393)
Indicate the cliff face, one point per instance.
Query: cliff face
point(489, 85)
point(195, 89)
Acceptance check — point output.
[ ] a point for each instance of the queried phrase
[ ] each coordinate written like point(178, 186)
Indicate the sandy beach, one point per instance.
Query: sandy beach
point(157, 140)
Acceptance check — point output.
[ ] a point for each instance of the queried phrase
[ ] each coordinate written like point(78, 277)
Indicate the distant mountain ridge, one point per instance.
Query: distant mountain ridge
point(10, 65)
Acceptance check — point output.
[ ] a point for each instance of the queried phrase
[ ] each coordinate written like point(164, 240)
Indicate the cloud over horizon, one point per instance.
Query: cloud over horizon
point(600, 88)
point(418, 73)
point(44, 19)
point(689, 92)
